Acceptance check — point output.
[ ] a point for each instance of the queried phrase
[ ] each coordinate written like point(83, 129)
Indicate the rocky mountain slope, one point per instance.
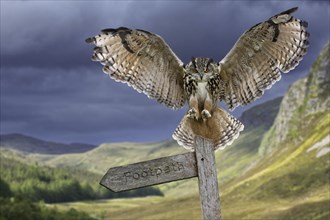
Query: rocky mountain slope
point(261, 115)
point(305, 98)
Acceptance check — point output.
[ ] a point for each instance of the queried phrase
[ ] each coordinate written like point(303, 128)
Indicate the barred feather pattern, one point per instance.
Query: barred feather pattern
point(222, 128)
point(257, 59)
point(184, 134)
point(142, 60)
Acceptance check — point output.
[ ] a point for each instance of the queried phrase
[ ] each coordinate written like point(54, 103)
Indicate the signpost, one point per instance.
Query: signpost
point(200, 163)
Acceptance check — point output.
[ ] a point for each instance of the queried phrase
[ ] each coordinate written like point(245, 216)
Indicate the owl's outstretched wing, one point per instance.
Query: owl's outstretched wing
point(142, 60)
point(260, 55)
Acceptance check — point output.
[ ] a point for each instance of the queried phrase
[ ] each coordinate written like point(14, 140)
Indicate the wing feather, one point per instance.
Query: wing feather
point(260, 55)
point(142, 60)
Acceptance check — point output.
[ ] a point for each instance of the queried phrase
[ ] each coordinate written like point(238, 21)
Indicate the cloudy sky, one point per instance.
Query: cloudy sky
point(51, 89)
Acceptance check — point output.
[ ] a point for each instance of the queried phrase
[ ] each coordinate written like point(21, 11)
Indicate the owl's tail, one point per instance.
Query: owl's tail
point(222, 128)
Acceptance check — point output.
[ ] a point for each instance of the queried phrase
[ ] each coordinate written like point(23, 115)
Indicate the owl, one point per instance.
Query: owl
point(145, 62)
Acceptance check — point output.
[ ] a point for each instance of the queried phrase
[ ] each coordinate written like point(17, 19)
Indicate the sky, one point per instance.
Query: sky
point(50, 89)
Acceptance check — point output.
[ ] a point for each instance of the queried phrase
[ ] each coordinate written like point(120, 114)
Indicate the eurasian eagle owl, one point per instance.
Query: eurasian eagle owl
point(144, 61)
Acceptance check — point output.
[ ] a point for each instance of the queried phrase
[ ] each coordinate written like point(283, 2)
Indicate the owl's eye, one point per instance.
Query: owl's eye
point(208, 69)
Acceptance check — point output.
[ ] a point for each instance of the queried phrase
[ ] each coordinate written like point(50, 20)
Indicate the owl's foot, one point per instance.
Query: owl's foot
point(192, 113)
point(206, 114)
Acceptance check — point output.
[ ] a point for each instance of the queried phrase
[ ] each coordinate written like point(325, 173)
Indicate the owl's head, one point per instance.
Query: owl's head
point(200, 68)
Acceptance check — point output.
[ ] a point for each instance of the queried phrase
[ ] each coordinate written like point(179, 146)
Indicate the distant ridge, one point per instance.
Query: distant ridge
point(29, 144)
point(261, 115)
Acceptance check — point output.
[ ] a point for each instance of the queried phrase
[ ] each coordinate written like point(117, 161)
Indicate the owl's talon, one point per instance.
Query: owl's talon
point(192, 113)
point(206, 114)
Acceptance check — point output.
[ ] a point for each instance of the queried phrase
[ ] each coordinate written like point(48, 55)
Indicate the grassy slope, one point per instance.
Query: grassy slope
point(291, 183)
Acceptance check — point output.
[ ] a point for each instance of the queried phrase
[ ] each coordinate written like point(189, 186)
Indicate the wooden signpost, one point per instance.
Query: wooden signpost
point(200, 163)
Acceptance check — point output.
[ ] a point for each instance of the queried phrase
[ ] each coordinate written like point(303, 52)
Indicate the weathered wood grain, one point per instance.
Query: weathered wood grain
point(208, 182)
point(161, 170)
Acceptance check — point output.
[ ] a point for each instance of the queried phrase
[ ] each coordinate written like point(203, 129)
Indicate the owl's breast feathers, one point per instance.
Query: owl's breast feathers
point(201, 90)
point(213, 86)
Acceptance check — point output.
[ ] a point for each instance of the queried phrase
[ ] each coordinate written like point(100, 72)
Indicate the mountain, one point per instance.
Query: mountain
point(261, 115)
point(33, 145)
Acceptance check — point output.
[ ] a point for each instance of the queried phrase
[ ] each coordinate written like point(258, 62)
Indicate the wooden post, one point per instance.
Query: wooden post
point(208, 182)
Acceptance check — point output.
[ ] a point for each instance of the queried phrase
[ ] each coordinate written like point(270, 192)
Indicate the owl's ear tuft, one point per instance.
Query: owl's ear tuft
point(193, 60)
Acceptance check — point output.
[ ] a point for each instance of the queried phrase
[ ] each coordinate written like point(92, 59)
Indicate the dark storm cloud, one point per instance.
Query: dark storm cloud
point(59, 102)
point(51, 34)
point(51, 89)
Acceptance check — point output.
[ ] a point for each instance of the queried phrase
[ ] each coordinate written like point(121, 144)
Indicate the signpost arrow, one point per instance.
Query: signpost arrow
point(161, 170)
point(200, 163)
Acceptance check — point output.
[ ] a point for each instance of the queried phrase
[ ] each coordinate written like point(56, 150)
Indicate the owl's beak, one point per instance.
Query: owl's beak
point(201, 75)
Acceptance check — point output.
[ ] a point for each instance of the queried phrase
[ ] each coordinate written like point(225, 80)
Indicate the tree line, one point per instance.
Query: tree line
point(22, 208)
point(24, 188)
point(54, 185)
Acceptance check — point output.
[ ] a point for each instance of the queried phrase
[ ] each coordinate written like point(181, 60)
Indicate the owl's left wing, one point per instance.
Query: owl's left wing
point(260, 55)
point(142, 60)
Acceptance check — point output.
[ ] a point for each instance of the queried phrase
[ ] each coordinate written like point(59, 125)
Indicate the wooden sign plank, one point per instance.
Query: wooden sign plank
point(208, 181)
point(161, 170)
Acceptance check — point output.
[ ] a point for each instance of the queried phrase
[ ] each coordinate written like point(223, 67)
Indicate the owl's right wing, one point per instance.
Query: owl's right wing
point(260, 55)
point(142, 60)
